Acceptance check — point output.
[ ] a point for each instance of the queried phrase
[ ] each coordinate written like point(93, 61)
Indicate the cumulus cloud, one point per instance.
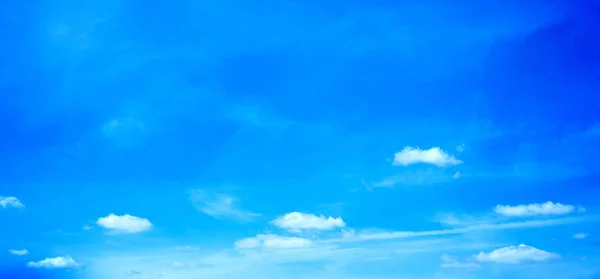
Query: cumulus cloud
point(524, 210)
point(22, 252)
point(296, 221)
point(580, 235)
point(52, 263)
point(124, 223)
point(10, 201)
point(516, 255)
point(273, 241)
point(220, 206)
point(452, 262)
point(434, 156)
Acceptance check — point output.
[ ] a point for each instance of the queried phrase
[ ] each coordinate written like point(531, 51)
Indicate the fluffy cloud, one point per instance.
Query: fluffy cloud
point(547, 208)
point(124, 223)
point(452, 262)
point(58, 262)
point(434, 156)
point(296, 221)
point(220, 206)
point(10, 202)
point(274, 242)
point(516, 255)
point(19, 252)
point(580, 235)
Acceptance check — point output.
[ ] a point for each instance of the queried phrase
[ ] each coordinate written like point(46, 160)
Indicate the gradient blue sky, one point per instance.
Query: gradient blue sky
point(300, 139)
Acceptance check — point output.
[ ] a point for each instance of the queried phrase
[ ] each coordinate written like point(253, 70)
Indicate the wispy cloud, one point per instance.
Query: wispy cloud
point(10, 201)
point(355, 237)
point(580, 235)
point(22, 252)
point(453, 262)
point(434, 156)
point(220, 206)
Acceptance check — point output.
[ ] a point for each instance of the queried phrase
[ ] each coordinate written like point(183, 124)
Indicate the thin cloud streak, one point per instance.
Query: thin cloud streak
point(353, 237)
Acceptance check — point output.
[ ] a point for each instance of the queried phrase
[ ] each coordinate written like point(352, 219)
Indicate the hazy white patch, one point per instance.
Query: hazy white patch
point(580, 235)
point(273, 241)
point(10, 201)
point(22, 252)
point(220, 206)
point(434, 156)
point(452, 262)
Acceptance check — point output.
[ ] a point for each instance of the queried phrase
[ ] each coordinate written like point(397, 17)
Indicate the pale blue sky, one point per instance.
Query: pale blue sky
point(300, 139)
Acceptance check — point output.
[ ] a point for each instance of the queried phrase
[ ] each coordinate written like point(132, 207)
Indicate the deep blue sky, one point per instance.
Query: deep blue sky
point(300, 139)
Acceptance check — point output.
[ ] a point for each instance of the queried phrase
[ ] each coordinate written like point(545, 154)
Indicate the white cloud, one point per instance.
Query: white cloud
point(296, 221)
point(366, 236)
point(87, 228)
point(523, 210)
point(516, 255)
point(19, 252)
point(274, 242)
point(456, 175)
point(580, 235)
point(58, 262)
point(452, 262)
point(434, 156)
point(10, 202)
point(124, 223)
point(220, 206)
point(460, 148)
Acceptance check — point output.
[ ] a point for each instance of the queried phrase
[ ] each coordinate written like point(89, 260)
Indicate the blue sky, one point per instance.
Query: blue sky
point(300, 139)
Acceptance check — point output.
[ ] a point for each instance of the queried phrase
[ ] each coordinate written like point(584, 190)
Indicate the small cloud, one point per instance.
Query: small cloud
point(87, 228)
point(296, 221)
point(124, 223)
point(7, 202)
point(460, 148)
point(273, 242)
point(55, 263)
point(220, 206)
point(452, 262)
point(516, 255)
point(580, 235)
point(19, 252)
point(456, 175)
point(434, 156)
point(547, 208)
